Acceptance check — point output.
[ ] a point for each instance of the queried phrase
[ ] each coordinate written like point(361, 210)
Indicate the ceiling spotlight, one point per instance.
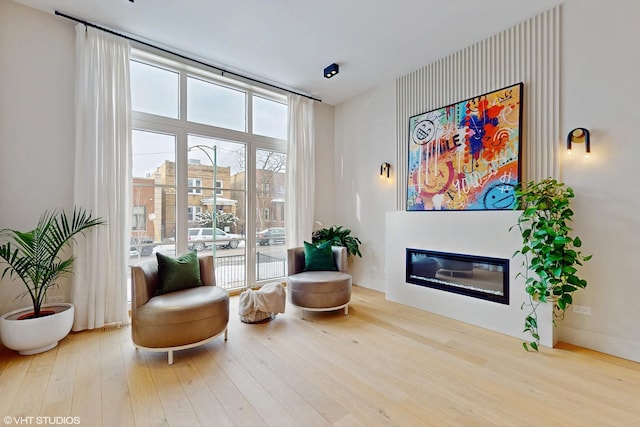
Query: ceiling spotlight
point(331, 70)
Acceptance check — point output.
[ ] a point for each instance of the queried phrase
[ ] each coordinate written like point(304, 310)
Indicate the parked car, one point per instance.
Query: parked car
point(270, 236)
point(202, 238)
point(142, 245)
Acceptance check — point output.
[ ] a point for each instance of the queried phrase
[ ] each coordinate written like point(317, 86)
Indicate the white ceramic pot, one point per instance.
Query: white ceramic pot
point(31, 336)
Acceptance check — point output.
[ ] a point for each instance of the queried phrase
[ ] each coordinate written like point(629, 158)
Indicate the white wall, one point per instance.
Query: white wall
point(37, 57)
point(365, 138)
point(599, 90)
point(324, 159)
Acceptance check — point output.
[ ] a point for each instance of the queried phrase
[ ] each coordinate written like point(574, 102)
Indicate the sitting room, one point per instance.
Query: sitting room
point(218, 146)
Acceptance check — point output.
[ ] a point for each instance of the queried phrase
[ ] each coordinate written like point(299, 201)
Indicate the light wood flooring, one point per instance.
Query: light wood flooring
point(384, 364)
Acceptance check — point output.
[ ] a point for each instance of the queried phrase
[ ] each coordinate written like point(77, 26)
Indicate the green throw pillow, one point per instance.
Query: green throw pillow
point(179, 273)
point(318, 258)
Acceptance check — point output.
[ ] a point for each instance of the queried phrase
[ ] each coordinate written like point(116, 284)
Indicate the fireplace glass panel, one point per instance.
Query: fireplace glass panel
point(476, 276)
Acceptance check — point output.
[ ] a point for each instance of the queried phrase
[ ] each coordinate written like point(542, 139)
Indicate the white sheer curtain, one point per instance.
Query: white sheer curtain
point(102, 177)
point(300, 172)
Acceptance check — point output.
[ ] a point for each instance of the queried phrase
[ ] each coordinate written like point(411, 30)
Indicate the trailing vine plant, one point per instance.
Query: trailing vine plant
point(550, 252)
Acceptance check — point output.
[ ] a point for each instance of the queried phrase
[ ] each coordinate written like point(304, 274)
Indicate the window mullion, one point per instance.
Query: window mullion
point(249, 112)
point(182, 196)
point(182, 170)
point(250, 187)
point(183, 97)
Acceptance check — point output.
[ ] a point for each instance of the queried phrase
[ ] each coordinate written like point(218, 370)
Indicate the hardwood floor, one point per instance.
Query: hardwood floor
point(384, 364)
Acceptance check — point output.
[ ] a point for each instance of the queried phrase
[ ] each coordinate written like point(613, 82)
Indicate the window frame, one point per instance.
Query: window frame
point(198, 76)
point(135, 225)
point(195, 210)
point(219, 189)
point(181, 128)
point(194, 185)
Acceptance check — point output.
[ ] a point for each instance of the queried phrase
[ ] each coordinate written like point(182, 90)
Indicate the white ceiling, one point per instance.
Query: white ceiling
point(289, 42)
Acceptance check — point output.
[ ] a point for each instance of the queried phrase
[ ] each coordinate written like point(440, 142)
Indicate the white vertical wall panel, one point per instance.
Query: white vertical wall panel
point(528, 52)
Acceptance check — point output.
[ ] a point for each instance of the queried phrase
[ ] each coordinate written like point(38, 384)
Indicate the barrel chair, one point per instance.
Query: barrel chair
point(317, 289)
point(170, 320)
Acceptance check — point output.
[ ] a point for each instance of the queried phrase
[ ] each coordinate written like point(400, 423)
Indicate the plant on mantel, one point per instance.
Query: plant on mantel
point(550, 251)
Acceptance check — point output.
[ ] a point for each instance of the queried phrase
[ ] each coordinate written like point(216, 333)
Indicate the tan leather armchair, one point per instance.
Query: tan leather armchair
point(176, 320)
point(319, 290)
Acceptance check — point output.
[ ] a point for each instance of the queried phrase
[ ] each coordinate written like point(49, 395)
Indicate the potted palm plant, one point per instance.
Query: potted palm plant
point(34, 257)
point(550, 252)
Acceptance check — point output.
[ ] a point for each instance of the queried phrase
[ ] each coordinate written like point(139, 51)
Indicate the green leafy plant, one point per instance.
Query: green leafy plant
point(338, 236)
point(550, 251)
point(34, 256)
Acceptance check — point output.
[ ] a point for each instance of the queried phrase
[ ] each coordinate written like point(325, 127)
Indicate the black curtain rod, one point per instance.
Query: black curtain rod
point(222, 70)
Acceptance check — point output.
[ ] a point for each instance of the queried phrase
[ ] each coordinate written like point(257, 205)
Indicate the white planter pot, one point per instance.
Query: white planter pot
point(31, 336)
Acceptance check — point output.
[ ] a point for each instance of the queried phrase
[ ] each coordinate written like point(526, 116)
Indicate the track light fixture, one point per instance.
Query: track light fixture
point(578, 136)
point(331, 70)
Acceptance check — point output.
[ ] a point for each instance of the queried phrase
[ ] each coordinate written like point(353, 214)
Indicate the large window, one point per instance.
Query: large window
point(194, 135)
point(154, 90)
point(215, 105)
point(269, 117)
point(154, 188)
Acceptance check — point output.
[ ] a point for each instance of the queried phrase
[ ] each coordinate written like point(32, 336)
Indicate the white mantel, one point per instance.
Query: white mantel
point(483, 233)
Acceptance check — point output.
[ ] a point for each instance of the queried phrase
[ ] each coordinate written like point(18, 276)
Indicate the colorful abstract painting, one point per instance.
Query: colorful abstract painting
point(466, 156)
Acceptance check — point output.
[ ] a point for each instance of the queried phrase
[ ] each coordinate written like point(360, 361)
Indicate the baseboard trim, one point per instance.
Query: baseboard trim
point(602, 343)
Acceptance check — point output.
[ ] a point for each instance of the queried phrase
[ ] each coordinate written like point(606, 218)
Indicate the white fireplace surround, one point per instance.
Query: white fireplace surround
point(484, 233)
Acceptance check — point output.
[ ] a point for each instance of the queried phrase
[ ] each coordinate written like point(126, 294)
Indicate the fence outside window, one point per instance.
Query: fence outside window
point(230, 270)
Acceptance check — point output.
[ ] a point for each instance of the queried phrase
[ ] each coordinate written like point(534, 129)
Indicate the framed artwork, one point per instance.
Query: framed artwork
point(466, 156)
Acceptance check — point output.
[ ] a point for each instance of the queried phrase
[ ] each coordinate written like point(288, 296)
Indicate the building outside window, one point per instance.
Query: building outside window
point(194, 185)
point(139, 218)
point(193, 212)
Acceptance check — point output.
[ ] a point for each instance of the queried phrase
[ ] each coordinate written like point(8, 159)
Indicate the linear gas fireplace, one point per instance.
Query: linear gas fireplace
point(471, 275)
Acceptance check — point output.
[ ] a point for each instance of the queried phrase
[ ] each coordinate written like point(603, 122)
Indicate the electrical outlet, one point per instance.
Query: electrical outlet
point(53, 299)
point(582, 309)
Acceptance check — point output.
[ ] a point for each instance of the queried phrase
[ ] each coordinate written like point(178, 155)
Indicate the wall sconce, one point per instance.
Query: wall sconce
point(331, 70)
point(385, 168)
point(578, 136)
